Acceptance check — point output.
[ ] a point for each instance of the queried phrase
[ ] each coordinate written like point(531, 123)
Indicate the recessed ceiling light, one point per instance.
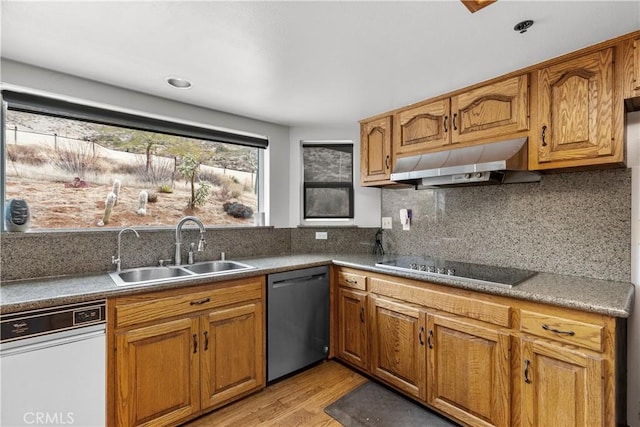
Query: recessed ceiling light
point(179, 83)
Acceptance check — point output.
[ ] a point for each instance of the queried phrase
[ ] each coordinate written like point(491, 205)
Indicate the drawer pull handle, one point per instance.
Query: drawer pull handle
point(195, 343)
point(200, 302)
point(351, 281)
point(444, 122)
point(544, 132)
point(527, 380)
point(453, 121)
point(557, 331)
point(206, 340)
point(429, 337)
point(420, 335)
point(361, 314)
point(386, 162)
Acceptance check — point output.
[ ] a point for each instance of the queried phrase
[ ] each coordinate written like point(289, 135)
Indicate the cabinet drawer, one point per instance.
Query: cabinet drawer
point(351, 280)
point(464, 305)
point(582, 334)
point(158, 305)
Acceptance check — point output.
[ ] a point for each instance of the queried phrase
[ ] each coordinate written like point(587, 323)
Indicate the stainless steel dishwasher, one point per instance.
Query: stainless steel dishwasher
point(297, 320)
point(53, 366)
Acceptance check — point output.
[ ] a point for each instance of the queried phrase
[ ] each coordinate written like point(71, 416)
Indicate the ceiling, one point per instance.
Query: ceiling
point(301, 63)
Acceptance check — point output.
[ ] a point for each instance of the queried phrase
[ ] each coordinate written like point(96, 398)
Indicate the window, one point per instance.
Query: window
point(81, 168)
point(328, 180)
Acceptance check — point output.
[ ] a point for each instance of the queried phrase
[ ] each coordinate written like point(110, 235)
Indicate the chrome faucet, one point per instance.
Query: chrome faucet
point(117, 261)
point(201, 244)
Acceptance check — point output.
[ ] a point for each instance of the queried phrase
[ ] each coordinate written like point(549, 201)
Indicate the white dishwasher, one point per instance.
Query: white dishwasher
point(53, 366)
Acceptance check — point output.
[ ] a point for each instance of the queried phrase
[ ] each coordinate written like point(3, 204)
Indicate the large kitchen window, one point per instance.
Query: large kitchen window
point(327, 181)
point(83, 167)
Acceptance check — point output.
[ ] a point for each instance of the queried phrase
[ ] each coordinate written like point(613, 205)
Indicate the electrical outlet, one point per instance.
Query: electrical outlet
point(321, 235)
point(386, 222)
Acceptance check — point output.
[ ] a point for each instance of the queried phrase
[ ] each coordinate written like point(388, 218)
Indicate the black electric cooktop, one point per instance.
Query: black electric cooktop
point(475, 273)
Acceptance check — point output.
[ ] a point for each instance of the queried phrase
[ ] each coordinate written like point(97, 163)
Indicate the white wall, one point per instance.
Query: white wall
point(633, 341)
point(18, 74)
point(367, 200)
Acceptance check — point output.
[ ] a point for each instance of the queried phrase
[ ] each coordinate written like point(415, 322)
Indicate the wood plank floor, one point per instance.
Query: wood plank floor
point(296, 401)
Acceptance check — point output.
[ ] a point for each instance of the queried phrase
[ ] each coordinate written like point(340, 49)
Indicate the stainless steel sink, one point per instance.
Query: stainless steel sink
point(216, 267)
point(154, 275)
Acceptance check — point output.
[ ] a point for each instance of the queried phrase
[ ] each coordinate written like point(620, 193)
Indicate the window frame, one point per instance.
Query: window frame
point(122, 118)
point(349, 185)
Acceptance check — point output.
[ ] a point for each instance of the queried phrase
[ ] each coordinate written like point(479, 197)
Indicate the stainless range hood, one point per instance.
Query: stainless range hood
point(502, 162)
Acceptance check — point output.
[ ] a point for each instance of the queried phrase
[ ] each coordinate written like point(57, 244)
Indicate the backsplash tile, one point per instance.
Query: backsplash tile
point(340, 240)
point(576, 223)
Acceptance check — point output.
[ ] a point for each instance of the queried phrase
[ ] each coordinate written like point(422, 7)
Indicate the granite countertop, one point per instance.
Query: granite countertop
point(591, 295)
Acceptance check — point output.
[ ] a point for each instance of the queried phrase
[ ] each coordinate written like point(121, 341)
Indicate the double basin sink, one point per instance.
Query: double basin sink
point(153, 275)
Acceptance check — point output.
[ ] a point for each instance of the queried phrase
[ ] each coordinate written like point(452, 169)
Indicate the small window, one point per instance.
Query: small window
point(328, 180)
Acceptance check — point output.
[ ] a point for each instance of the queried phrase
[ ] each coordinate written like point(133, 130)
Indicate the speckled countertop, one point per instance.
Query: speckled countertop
point(592, 295)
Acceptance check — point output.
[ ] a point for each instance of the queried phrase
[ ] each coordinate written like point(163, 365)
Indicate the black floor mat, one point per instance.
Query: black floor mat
point(372, 404)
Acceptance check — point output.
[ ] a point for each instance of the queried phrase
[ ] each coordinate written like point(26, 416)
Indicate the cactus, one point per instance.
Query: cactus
point(108, 205)
point(143, 197)
point(116, 190)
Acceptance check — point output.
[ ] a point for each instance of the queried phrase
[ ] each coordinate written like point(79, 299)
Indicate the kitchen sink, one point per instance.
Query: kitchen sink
point(153, 275)
point(216, 267)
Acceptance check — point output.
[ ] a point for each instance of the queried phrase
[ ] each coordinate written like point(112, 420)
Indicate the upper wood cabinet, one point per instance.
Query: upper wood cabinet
point(491, 111)
point(578, 122)
point(422, 128)
point(375, 151)
point(487, 112)
point(631, 74)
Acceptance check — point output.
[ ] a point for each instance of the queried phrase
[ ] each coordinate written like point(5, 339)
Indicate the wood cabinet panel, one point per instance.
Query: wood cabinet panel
point(157, 373)
point(491, 111)
point(351, 280)
point(233, 353)
point(352, 320)
point(575, 111)
point(419, 129)
point(561, 386)
point(397, 345)
point(375, 151)
point(465, 362)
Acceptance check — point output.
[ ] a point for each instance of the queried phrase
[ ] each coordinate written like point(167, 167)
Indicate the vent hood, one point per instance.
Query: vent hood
point(501, 162)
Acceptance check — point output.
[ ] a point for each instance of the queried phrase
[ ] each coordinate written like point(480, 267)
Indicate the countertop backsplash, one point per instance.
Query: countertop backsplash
point(576, 223)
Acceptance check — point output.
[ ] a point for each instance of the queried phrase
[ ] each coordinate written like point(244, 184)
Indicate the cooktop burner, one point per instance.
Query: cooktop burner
point(477, 273)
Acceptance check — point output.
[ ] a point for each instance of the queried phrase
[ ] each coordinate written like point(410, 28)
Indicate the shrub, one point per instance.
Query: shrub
point(165, 188)
point(24, 154)
point(152, 197)
point(77, 161)
point(237, 210)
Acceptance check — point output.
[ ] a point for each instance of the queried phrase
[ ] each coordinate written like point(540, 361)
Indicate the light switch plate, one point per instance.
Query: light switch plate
point(386, 222)
point(321, 235)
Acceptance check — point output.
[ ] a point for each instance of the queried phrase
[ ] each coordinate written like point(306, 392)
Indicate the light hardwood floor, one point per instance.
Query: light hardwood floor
point(296, 401)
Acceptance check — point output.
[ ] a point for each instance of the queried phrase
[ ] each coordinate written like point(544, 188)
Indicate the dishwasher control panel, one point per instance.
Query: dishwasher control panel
point(25, 324)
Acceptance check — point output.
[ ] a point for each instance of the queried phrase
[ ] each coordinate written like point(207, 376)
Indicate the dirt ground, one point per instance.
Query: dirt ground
point(54, 206)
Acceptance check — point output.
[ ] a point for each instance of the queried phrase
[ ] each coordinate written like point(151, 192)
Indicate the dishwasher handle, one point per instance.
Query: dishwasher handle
point(290, 282)
point(53, 340)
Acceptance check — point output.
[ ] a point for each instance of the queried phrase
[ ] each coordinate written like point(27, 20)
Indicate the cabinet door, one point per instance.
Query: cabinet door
point(422, 128)
point(575, 113)
point(157, 373)
point(232, 353)
point(352, 335)
point(636, 67)
point(491, 111)
point(561, 386)
point(468, 371)
point(398, 336)
point(375, 151)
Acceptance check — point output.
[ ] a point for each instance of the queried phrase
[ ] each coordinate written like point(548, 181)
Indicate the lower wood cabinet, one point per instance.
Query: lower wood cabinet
point(353, 340)
point(205, 350)
point(398, 345)
point(561, 386)
point(483, 360)
point(468, 370)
